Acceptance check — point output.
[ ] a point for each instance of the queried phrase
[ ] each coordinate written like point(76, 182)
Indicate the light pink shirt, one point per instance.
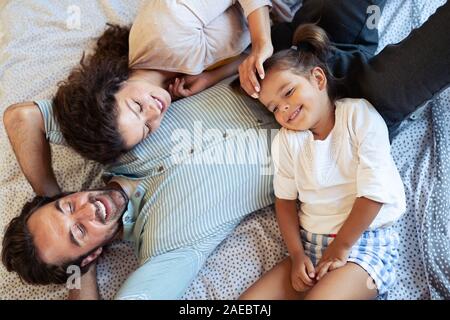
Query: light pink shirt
point(188, 36)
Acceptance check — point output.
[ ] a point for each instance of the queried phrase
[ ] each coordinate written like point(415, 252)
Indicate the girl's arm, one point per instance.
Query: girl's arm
point(335, 256)
point(25, 128)
point(302, 269)
point(286, 212)
point(363, 213)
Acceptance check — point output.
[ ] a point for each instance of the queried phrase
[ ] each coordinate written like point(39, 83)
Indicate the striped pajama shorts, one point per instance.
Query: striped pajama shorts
point(375, 252)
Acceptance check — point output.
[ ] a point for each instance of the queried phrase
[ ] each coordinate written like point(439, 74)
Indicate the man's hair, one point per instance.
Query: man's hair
point(85, 106)
point(20, 254)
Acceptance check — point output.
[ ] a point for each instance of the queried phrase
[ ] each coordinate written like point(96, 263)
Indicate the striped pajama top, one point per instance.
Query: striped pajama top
point(205, 169)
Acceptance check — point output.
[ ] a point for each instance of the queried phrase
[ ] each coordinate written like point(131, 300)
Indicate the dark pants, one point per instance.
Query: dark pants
point(396, 81)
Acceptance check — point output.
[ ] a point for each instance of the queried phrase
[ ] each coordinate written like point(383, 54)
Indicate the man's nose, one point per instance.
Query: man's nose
point(86, 212)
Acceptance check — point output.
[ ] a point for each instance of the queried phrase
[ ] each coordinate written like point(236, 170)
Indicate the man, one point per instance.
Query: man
point(174, 198)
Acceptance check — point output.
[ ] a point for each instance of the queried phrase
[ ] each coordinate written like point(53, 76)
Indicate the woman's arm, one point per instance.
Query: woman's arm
point(262, 49)
point(259, 25)
point(190, 85)
point(25, 128)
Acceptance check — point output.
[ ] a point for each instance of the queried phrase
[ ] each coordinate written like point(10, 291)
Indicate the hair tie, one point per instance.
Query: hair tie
point(304, 46)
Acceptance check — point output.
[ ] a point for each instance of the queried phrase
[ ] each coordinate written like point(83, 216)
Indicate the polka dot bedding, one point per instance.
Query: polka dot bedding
point(45, 53)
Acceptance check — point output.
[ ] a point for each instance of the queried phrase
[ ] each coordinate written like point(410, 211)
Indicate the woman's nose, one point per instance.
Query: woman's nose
point(151, 113)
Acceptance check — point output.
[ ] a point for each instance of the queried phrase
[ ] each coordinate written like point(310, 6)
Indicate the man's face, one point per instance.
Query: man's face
point(75, 225)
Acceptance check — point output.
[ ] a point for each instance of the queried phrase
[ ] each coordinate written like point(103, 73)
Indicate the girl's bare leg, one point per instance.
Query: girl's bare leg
point(351, 282)
point(274, 285)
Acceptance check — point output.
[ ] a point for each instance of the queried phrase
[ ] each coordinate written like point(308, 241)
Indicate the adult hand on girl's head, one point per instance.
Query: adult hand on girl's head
point(334, 257)
point(189, 85)
point(302, 273)
point(254, 64)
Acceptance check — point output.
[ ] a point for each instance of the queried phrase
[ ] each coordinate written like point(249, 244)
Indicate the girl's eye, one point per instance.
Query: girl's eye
point(275, 109)
point(289, 92)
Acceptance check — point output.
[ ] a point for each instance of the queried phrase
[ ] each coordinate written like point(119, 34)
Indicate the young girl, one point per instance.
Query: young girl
point(334, 157)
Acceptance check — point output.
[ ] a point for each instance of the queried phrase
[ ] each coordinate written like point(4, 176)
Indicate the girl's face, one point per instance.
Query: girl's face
point(298, 103)
point(142, 107)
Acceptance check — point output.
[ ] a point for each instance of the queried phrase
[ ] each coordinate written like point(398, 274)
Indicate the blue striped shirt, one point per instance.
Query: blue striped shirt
point(205, 169)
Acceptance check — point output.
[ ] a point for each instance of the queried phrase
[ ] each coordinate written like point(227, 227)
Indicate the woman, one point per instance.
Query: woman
point(104, 96)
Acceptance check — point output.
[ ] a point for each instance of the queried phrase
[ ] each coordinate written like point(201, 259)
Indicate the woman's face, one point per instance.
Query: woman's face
point(141, 107)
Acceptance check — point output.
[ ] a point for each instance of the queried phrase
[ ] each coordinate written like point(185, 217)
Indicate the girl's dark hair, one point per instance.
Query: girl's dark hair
point(85, 106)
point(313, 48)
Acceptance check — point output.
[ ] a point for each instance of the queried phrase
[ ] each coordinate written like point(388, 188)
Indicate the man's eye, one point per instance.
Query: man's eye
point(70, 207)
point(81, 229)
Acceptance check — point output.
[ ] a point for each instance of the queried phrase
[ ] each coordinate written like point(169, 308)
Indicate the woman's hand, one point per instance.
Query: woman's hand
point(302, 273)
point(254, 64)
point(189, 85)
point(334, 257)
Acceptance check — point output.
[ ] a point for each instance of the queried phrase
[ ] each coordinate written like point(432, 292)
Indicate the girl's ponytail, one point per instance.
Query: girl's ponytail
point(311, 39)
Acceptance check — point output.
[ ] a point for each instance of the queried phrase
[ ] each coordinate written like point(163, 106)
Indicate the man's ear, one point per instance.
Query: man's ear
point(94, 255)
point(319, 77)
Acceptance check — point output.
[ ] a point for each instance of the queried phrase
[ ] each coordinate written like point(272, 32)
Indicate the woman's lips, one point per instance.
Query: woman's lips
point(295, 113)
point(161, 104)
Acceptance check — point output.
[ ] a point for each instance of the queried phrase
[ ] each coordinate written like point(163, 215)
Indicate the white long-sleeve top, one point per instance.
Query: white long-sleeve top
point(188, 36)
point(328, 175)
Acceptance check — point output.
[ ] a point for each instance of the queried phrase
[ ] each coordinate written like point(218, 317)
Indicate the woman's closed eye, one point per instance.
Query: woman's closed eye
point(139, 105)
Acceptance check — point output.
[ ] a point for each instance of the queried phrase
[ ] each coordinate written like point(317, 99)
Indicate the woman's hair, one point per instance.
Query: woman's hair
point(312, 50)
point(85, 105)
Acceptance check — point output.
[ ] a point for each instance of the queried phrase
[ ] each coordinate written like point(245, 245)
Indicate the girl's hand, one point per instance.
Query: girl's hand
point(334, 257)
point(252, 64)
point(302, 273)
point(189, 85)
